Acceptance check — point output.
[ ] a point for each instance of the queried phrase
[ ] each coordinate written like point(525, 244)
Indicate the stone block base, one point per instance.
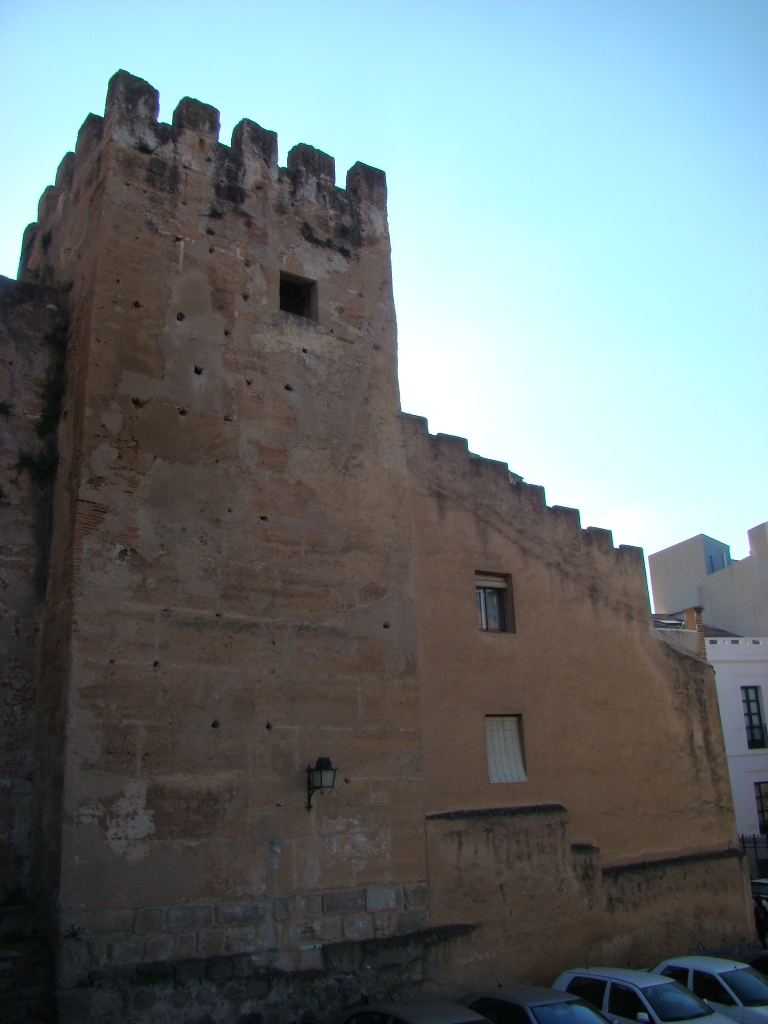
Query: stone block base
point(258, 988)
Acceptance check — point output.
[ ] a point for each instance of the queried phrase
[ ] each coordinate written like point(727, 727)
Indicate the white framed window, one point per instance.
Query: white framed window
point(494, 603)
point(504, 744)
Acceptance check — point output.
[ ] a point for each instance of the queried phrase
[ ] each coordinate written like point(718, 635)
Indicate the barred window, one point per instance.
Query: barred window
point(761, 797)
point(753, 717)
point(504, 742)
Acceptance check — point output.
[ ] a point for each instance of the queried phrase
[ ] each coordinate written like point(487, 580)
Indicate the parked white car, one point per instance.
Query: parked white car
point(628, 997)
point(734, 989)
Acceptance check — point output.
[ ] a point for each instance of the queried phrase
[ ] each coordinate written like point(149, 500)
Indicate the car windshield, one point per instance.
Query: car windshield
point(748, 986)
point(574, 1012)
point(673, 1002)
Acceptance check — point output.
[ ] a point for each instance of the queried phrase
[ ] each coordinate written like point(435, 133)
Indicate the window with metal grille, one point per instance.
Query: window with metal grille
point(495, 613)
point(504, 743)
point(761, 797)
point(753, 717)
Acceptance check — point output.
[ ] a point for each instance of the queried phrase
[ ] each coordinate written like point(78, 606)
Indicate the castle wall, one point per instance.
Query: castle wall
point(257, 560)
point(62, 249)
point(619, 730)
point(32, 334)
point(540, 904)
point(593, 685)
point(33, 322)
point(543, 904)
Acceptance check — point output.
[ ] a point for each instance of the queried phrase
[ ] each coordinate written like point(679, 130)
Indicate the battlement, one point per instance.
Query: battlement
point(130, 118)
point(491, 474)
point(238, 171)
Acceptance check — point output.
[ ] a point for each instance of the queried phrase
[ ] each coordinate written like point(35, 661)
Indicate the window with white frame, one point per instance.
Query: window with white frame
point(495, 613)
point(504, 744)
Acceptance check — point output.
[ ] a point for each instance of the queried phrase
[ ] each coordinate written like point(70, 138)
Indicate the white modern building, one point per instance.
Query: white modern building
point(741, 677)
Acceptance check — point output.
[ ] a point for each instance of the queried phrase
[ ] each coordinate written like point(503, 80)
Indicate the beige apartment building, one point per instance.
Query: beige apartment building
point(732, 593)
point(227, 554)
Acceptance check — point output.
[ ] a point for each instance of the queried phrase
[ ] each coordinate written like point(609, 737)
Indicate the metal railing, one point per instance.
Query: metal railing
point(755, 849)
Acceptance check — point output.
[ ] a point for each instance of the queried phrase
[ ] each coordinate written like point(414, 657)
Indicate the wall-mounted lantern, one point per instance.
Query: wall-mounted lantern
point(322, 776)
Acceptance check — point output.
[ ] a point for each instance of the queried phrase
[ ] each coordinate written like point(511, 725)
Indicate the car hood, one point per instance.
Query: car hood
point(755, 1014)
point(716, 1018)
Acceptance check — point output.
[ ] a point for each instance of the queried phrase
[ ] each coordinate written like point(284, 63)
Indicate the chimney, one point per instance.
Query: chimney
point(693, 620)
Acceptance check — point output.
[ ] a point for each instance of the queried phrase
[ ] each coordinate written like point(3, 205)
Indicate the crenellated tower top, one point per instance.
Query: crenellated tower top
point(237, 170)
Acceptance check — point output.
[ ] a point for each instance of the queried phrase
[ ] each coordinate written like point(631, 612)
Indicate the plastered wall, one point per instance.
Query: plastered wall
point(596, 690)
point(627, 785)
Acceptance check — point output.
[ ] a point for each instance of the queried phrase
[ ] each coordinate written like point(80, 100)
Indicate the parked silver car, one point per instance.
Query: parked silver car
point(529, 1004)
point(409, 1013)
point(626, 997)
point(728, 986)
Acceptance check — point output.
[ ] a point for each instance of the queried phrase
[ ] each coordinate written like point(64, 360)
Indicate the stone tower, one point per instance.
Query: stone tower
point(232, 592)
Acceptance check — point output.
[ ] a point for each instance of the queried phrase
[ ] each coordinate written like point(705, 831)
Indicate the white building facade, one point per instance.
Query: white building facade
point(741, 676)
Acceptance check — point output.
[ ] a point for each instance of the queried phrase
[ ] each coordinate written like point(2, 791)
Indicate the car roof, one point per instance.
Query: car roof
point(426, 1013)
point(704, 963)
point(524, 995)
point(641, 978)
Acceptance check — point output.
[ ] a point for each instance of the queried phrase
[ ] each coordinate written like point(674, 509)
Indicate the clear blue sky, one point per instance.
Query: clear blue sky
point(578, 209)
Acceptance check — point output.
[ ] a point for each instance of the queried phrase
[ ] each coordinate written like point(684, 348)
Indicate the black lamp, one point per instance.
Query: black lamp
point(322, 776)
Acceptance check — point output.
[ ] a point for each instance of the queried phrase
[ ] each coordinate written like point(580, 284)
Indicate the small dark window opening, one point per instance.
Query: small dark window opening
point(297, 296)
point(495, 611)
